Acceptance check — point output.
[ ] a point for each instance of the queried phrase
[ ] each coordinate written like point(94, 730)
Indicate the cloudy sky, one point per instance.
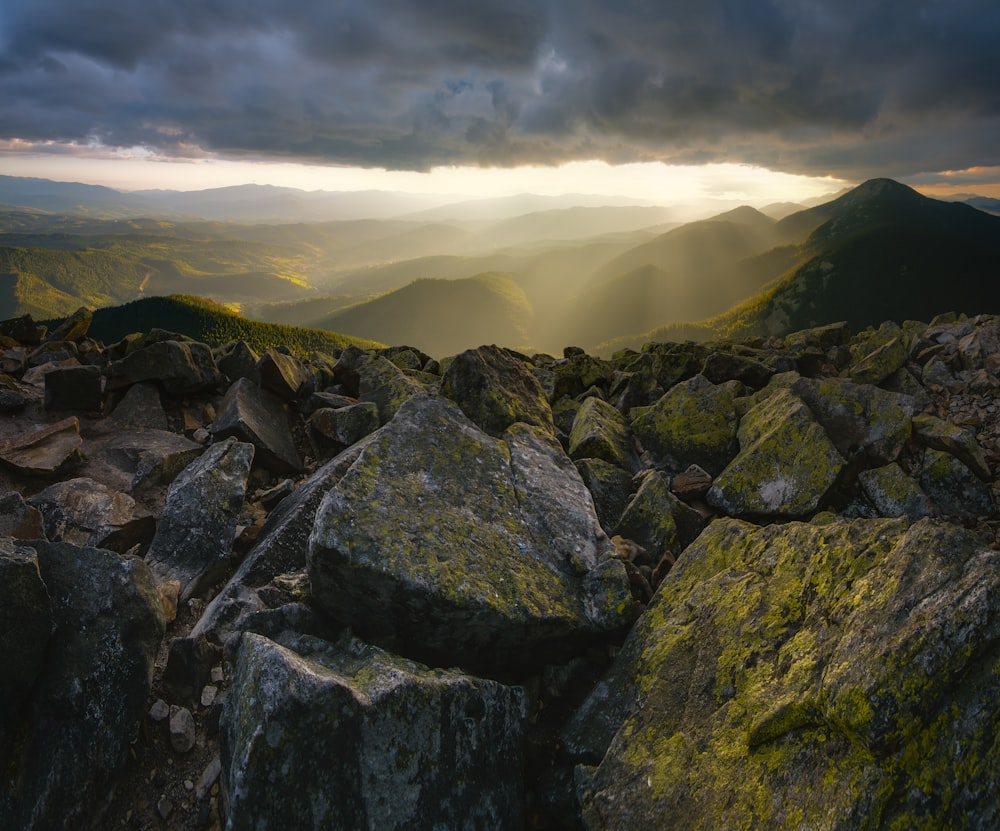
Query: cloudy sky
point(152, 92)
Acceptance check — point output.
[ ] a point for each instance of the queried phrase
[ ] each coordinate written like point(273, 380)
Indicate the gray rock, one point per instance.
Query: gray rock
point(804, 676)
point(893, 493)
point(282, 374)
point(346, 425)
point(182, 733)
point(453, 540)
point(609, 486)
point(657, 520)
point(74, 327)
point(151, 457)
point(694, 423)
point(253, 415)
point(194, 539)
point(182, 367)
point(858, 418)
point(236, 360)
point(495, 389)
point(281, 549)
point(785, 466)
point(91, 694)
point(956, 491)
point(950, 438)
point(74, 388)
point(139, 409)
point(25, 627)
point(600, 432)
point(348, 736)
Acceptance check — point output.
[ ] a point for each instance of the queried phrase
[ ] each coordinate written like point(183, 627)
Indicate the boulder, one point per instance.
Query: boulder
point(237, 359)
point(90, 696)
point(194, 538)
point(376, 379)
point(892, 493)
point(803, 676)
point(495, 389)
point(785, 466)
point(74, 388)
point(83, 512)
point(44, 450)
point(956, 491)
point(139, 409)
point(280, 549)
point(345, 425)
point(877, 365)
point(282, 374)
point(150, 457)
point(860, 419)
point(345, 735)
point(253, 415)
point(73, 328)
point(950, 438)
point(609, 486)
point(657, 520)
point(600, 432)
point(25, 627)
point(22, 330)
point(455, 542)
point(694, 423)
point(182, 367)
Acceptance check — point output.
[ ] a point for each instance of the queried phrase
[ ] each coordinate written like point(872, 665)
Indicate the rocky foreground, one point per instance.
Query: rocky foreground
point(737, 586)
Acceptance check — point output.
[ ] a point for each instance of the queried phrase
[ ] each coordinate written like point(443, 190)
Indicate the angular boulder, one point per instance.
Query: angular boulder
point(25, 628)
point(600, 432)
point(456, 542)
point(182, 367)
point(194, 538)
point(785, 466)
point(44, 450)
point(253, 415)
point(694, 423)
point(804, 676)
point(90, 696)
point(73, 388)
point(18, 519)
point(82, 511)
point(345, 735)
point(495, 389)
point(657, 520)
point(345, 425)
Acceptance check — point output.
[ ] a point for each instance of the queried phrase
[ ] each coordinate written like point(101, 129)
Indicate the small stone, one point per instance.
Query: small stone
point(181, 729)
point(209, 778)
point(693, 482)
point(217, 675)
point(201, 435)
point(164, 807)
point(159, 711)
point(208, 696)
point(188, 785)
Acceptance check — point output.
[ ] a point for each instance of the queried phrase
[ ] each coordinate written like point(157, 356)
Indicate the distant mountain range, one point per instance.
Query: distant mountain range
point(597, 276)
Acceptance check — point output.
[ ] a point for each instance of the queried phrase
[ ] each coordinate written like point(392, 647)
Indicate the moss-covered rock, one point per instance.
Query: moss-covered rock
point(372, 377)
point(693, 423)
point(884, 359)
point(892, 493)
point(785, 466)
point(609, 486)
point(950, 438)
point(344, 735)
point(345, 425)
point(957, 491)
point(657, 520)
point(600, 432)
point(181, 367)
point(795, 676)
point(858, 418)
point(454, 541)
point(495, 389)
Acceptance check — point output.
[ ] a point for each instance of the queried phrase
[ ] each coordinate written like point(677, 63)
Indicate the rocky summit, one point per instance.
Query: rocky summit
point(731, 585)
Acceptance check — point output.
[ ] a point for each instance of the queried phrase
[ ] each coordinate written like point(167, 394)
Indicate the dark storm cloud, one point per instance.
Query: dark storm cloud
point(818, 86)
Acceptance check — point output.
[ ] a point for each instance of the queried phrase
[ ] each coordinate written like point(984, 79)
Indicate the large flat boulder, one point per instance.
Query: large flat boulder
point(450, 539)
point(805, 676)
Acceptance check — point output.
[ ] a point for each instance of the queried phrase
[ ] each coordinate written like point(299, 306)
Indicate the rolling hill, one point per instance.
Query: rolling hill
point(443, 317)
point(213, 324)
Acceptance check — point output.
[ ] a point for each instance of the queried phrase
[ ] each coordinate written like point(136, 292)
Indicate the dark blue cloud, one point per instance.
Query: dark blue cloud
point(820, 86)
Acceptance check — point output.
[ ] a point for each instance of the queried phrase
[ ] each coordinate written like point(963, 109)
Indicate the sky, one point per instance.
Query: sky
point(785, 97)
